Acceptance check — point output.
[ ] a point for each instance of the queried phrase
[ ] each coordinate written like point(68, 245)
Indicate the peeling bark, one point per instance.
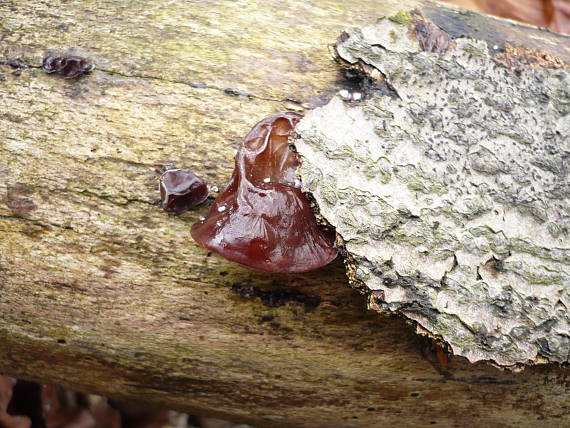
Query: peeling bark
point(453, 199)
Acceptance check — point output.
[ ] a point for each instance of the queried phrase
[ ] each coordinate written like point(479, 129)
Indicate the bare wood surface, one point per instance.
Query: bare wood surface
point(102, 291)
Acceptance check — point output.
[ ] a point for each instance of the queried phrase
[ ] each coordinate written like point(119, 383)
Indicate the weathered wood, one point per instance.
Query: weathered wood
point(102, 291)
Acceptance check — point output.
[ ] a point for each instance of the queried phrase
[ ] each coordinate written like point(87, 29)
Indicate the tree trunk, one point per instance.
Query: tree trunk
point(102, 291)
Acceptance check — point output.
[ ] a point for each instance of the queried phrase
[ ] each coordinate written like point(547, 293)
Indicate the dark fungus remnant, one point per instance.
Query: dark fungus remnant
point(278, 297)
point(432, 38)
point(68, 66)
point(262, 219)
point(181, 190)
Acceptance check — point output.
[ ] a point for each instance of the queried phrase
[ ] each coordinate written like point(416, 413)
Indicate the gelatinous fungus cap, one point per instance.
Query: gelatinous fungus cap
point(262, 219)
point(181, 190)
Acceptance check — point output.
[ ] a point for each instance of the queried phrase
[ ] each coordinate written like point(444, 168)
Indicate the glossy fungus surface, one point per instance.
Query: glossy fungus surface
point(68, 67)
point(181, 190)
point(262, 219)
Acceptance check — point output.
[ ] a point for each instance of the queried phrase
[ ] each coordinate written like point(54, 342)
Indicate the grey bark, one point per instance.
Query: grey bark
point(450, 191)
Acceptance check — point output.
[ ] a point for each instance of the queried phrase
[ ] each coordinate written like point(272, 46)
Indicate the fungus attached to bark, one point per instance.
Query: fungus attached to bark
point(68, 67)
point(262, 219)
point(181, 190)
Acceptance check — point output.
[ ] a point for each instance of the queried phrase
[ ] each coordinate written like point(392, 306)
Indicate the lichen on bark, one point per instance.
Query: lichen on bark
point(452, 197)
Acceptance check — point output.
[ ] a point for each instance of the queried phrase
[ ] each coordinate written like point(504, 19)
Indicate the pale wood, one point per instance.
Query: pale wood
point(103, 292)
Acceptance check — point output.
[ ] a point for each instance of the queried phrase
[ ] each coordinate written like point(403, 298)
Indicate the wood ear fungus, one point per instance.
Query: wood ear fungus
point(67, 66)
point(181, 190)
point(262, 219)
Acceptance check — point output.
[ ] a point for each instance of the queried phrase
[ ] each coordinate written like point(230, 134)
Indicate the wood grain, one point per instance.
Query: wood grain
point(102, 291)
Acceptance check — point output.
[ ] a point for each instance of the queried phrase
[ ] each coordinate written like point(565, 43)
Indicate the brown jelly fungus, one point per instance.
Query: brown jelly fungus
point(262, 219)
point(181, 190)
point(68, 66)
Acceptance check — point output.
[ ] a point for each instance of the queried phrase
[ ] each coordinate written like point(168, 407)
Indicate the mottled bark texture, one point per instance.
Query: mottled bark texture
point(450, 189)
point(102, 291)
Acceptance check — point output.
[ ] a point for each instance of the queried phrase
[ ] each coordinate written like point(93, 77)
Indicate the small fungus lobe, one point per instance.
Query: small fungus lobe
point(68, 66)
point(181, 190)
point(262, 219)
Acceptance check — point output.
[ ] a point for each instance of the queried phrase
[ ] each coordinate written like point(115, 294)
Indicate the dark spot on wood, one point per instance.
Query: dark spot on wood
point(35, 230)
point(490, 380)
point(378, 295)
point(368, 80)
point(197, 85)
point(110, 268)
point(18, 201)
point(283, 296)
point(72, 286)
point(14, 63)
point(266, 318)
point(245, 291)
point(61, 341)
point(344, 36)
point(494, 266)
point(278, 297)
point(233, 92)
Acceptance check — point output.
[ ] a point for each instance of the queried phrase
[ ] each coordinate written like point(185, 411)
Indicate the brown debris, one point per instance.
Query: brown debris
point(277, 297)
point(516, 57)
point(7, 420)
point(552, 14)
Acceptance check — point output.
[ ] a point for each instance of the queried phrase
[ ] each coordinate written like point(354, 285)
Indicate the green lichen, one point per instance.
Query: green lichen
point(472, 50)
point(402, 17)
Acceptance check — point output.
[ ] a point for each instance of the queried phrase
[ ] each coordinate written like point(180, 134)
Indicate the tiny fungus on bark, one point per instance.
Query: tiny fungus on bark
point(67, 66)
point(262, 219)
point(181, 190)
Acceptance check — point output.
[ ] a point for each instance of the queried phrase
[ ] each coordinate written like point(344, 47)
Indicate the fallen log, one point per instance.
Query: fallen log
point(102, 291)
